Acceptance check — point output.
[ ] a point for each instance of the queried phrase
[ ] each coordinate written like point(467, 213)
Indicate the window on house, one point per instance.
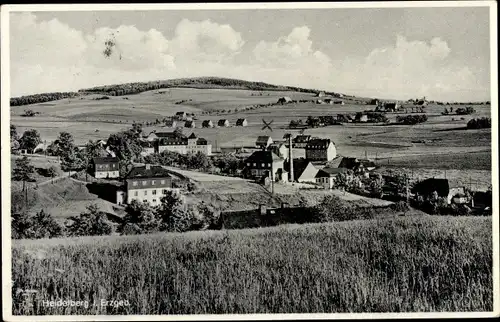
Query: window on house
point(154, 192)
point(145, 192)
point(145, 200)
point(263, 164)
point(134, 183)
point(164, 191)
point(162, 181)
point(136, 193)
point(144, 183)
point(255, 164)
point(248, 164)
point(152, 182)
point(269, 165)
point(154, 200)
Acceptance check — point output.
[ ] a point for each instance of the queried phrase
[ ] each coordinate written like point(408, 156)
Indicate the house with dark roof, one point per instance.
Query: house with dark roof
point(357, 165)
point(148, 147)
point(284, 100)
point(207, 124)
point(326, 177)
point(181, 115)
point(170, 123)
point(300, 141)
point(303, 170)
point(107, 167)
point(263, 141)
point(320, 150)
point(241, 122)
point(189, 124)
point(148, 183)
point(265, 164)
point(279, 148)
point(391, 106)
point(223, 123)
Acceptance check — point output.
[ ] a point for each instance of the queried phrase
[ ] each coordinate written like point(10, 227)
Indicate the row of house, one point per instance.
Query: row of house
point(316, 149)
point(206, 123)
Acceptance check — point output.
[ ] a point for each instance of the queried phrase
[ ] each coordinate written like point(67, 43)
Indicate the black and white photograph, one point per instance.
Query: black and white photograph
point(249, 161)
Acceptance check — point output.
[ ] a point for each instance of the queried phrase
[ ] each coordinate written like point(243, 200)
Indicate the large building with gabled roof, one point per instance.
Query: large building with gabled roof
point(320, 150)
point(265, 164)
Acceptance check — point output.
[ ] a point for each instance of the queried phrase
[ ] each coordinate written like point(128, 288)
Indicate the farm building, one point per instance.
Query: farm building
point(190, 124)
point(391, 107)
point(181, 115)
point(263, 141)
point(241, 122)
point(148, 184)
point(279, 148)
point(326, 177)
point(169, 141)
point(300, 141)
point(105, 167)
point(265, 164)
point(320, 150)
point(284, 100)
point(170, 123)
point(223, 123)
point(482, 199)
point(207, 124)
point(321, 94)
point(303, 170)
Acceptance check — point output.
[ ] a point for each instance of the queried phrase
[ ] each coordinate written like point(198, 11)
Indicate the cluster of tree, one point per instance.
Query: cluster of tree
point(465, 110)
point(322, 120)
point(72, 158)
point(376, 117)
point(174, 214)
point(479, 123)
point(411, 119)
point(30, 113)
point(228, 163)
point(28, 141)
point(332, 208)
point(446, 111)
point(296, 124)
point(192, 161)
point(41, 98)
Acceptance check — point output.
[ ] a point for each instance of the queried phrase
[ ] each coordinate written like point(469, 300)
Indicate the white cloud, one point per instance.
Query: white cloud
point(51, 56)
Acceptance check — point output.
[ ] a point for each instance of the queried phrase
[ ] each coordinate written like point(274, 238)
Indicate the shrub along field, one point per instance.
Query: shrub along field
point(394, 265)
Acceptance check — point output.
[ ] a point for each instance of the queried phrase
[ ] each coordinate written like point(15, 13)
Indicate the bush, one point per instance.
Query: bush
point(40, 225)
point(90, 223)
point(479, 123)
point(400, 206)
point(411, 119)
point(332, 208)
point(141, 216)
point(465, 111)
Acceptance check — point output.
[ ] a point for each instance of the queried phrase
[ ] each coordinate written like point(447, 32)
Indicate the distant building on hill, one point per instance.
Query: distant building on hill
point(170, 123)
point(284, 100)
point(223, 123)
point(241, 122)
point(263, 141)
point(320, 150)
point(189, 124)
point(181, 116)
point(107, 167)
point(326, 177)
point(207, 124)
point(300, 141)
point(148, 184)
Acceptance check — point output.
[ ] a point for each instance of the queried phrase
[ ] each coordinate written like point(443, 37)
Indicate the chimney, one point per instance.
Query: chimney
point(148, 166)
point(290, 148)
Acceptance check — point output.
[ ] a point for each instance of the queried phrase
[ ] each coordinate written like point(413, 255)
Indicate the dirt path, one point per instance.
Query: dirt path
point(53, 180)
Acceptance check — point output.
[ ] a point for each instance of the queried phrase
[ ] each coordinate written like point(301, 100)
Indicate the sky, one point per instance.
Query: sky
point(400, 53)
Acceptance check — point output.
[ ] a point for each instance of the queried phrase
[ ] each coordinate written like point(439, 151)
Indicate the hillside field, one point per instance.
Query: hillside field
point(403, 264)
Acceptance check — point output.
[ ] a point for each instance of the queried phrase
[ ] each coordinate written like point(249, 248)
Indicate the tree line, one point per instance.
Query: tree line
point(41, 98)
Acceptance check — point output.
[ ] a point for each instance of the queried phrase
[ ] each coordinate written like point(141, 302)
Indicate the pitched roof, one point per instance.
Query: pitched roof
point(170, 122)
point(201, 141)
point(318, 143)
point(240, 121)
point(349, 163)
point(192, 136)
point(154, 171)
point(263, 139)
point(330, 172)
point(263, 157)
point(180, 113)
point(105, 160)
point(222, 122)
point(302, 138)
point(206, 122)
point(146, 144)
point(189, 124)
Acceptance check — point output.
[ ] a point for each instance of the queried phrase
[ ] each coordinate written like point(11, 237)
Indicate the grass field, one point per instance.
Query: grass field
point(404, 264)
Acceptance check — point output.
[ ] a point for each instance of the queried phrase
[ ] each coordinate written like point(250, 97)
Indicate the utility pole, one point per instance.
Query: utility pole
point(290, 151)
point(366, 155)
point(407, 191)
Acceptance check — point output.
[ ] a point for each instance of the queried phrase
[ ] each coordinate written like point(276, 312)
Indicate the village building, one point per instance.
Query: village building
point(361, 118)
point(320, 150)
point(300, 141)
point(148, 147)
point(107, 167)
point(223, 123)
point(181, 144)
point(263, 141)
point(189, 124)
point(304, 171)
point(338, 102)
point(391, 107)
point(181, 116)
point(148, 184)
point(425, 189)
point(207, 124)
point(170, 123)
point(321, 94)
point(362, 166)
point(279, 148)
point(241, 122)
point(284, 100)
point(326, 177)
point(265, 164)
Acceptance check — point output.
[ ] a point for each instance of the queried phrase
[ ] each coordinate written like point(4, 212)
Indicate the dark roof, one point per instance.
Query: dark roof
point(170, 122)
point(206, 122)
point(180, 113)
point(428, 186)
point(222, 122)
point(240, 121)
point(330, 172)
point(165, 134)
point(105, 160)
point(263, 157)
point(192, 136)
point(154, 171)
point(146, 144)
point(390, 105)
point(318, 144)
point(349, 163)
point(189, 124)
point(299, 165)
point(302, 138)
point(262, 139)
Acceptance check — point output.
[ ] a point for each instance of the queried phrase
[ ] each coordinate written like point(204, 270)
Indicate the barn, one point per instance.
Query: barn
point(207, 124)
point(241, 122)
point(223, 123)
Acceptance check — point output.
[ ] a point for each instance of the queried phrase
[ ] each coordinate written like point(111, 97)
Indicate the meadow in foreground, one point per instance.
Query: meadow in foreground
point(394, 265)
